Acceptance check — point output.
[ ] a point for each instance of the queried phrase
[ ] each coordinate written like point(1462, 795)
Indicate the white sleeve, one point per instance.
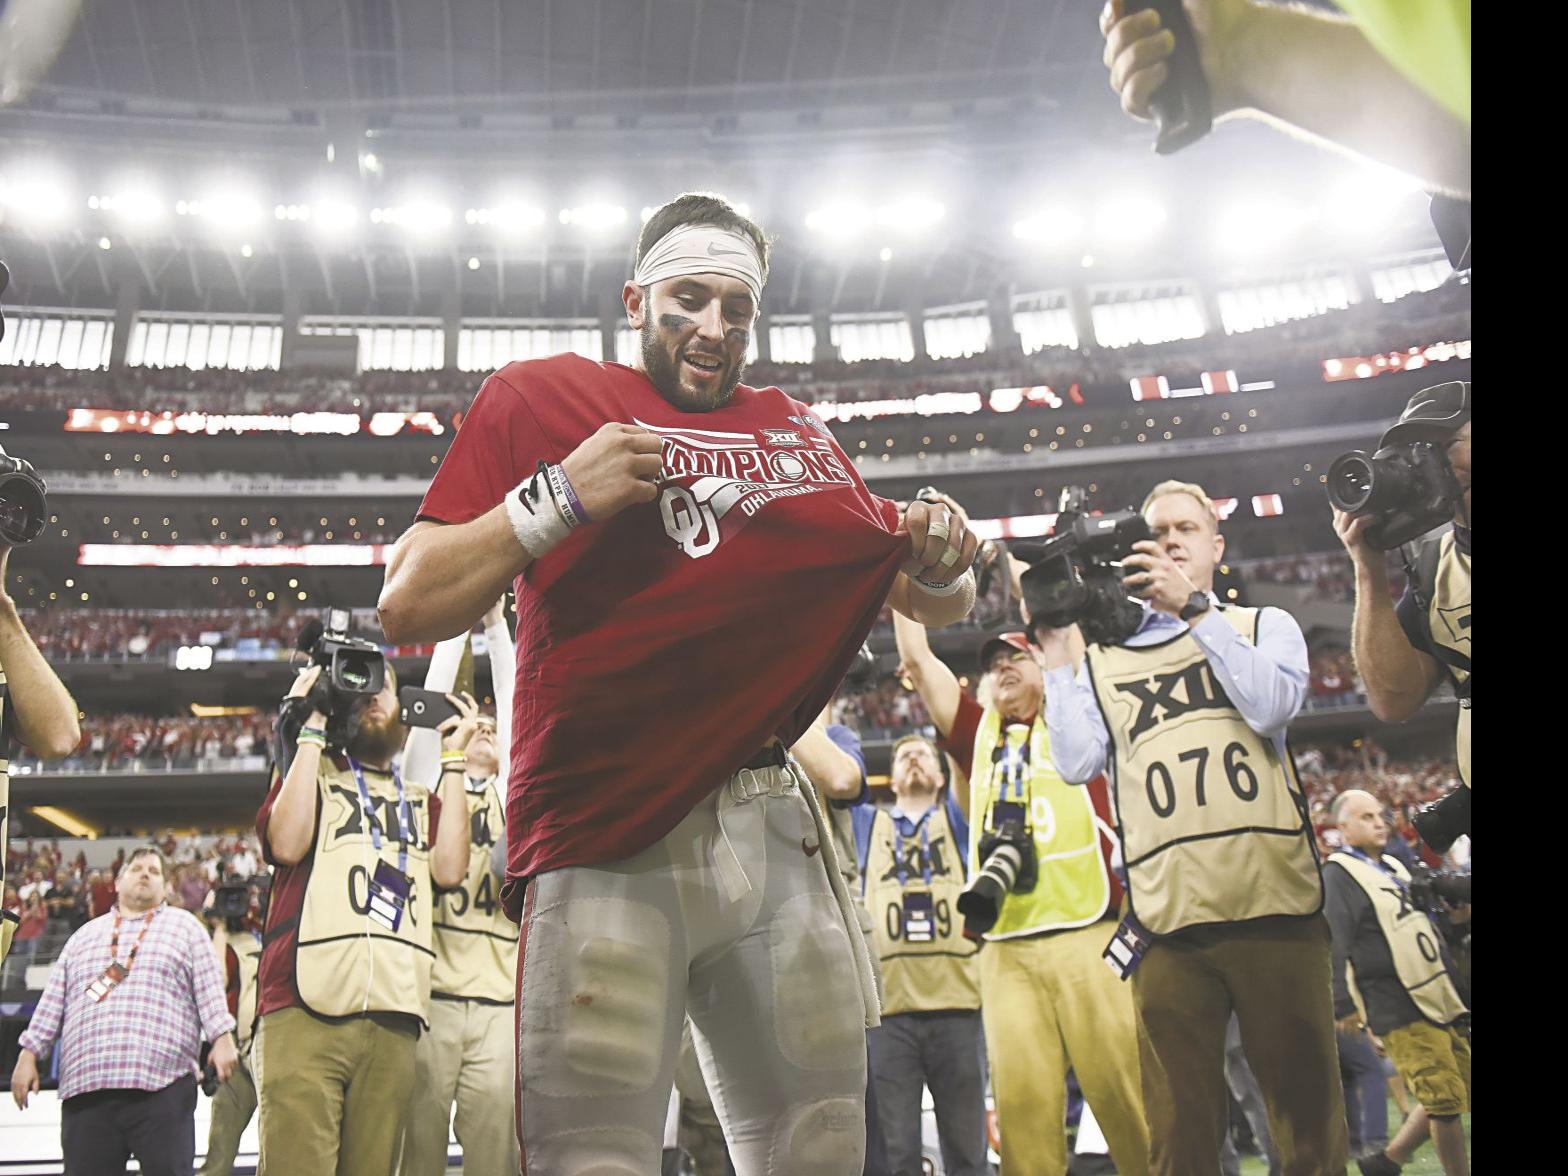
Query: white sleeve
point(422, 749)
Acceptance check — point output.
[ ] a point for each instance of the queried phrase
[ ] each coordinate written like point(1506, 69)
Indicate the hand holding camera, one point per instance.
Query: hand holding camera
point(459, 728)
point(1154, 576)
point(304, 684)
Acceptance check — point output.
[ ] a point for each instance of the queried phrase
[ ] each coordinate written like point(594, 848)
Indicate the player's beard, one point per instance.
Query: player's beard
point(663, 369)
point(375, 743)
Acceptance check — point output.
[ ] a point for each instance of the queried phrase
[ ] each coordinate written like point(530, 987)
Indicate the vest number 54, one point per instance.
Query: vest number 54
point(1161, 785)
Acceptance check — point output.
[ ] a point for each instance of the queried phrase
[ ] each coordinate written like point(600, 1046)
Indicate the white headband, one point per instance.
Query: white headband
point(702, 249)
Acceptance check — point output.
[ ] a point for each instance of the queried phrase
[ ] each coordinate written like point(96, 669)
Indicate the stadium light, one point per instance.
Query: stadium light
point(594, 217)
point(224, 209)
point(911, 214)
point(137, 206)
point(1258, 226)
point(1128, 220)
point(417, 216)
point(40, 202)
point(840, 220)
point(1051, 227)
point(508, 217)
point(329, 215)
point(1365, 203)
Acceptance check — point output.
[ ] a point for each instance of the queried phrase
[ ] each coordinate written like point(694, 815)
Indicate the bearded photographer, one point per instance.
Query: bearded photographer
point(1224, 897)
point(1046, 1000)
point(1420, 473)
point(345, 972)
point(35, 707)
point(1393, 976)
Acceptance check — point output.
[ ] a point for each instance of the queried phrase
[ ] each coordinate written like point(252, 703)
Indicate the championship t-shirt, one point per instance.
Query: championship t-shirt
point(659, 649)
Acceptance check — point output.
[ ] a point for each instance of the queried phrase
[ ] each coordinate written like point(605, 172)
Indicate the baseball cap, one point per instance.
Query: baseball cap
point(1433, 414)
point(1018, 641)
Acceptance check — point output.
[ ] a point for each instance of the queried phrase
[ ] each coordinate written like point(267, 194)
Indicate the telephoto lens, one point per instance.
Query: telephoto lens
point(23, 503)
point(1358, 482)
point(981, 902)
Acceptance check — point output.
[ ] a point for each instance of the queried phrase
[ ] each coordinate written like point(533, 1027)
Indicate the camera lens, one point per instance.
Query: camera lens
point(981, 902)
point(1350, 481)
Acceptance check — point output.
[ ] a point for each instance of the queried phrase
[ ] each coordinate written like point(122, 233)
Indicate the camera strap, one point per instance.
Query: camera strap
point(1013, 762)
point(404, 821)
point(922, 827)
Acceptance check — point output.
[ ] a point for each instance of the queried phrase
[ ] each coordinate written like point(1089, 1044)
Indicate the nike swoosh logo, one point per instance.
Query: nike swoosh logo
point(715, 251)
point(810, 850)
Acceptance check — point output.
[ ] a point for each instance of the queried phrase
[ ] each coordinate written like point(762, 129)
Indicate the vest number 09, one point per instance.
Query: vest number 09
point(1161, 785)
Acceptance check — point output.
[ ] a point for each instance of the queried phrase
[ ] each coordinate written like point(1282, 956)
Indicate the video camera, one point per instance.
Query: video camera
point(1075, 577)
point(353, 670)
point(1428, 885)
point(1010, 865)
point(23, 503)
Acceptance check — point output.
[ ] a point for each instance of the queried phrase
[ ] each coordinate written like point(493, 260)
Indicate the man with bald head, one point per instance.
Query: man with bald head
point(1393, 977)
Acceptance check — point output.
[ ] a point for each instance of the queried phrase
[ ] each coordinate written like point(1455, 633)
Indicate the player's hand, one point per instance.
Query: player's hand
point(1352, 532)
point(224, 1057)
point(941, 546)
point(1151, 575)
point(616, 467)
point(1351, 1024)
point(459, 728)
point(24, 1079)
point(1138, 46)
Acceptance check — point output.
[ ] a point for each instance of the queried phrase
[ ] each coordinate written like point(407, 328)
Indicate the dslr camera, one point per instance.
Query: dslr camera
point(353, 671)
point(1407, 485)
point(1007, 849)
point(1444, 821)
point(23, 504)
point(1075, 577)
point(1428, 885)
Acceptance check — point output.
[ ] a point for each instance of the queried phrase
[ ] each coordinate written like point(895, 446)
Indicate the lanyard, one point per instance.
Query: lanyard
point(925, 846)
point(114, 938)
point(1378, 864)
point(404, 825)
point(1014, 761)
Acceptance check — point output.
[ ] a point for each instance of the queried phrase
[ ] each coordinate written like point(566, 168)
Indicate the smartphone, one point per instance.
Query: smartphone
point(424, 708)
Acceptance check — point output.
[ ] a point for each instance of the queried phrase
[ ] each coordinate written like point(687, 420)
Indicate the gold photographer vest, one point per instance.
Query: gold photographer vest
point(347, 962)
point(920, 976)
point(8, 924)
point(476, 944)
point(1448, 620)
point(1073, 890)
point(248, 951)
point(1412, 941)
point(1211, 819)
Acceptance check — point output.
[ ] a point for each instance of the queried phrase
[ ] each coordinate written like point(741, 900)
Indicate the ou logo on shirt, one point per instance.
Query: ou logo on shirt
point(690, 523)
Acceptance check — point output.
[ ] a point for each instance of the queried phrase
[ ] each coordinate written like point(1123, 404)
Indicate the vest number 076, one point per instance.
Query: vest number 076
point(1161, 785)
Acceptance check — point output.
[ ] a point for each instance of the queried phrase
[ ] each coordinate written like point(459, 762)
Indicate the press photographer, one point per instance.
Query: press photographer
point(1393, 976)
point(1044, 899)
point(235, 912)
point(1189, 711)
point(35, 707)
point(344, 982)
point(1418, 480)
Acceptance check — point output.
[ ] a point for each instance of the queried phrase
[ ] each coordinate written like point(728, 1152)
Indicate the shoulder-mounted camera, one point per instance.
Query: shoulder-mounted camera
point(1075, 577)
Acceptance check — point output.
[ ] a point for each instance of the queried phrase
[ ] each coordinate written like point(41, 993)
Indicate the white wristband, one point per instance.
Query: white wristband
point(536, 523)
point(949, 588)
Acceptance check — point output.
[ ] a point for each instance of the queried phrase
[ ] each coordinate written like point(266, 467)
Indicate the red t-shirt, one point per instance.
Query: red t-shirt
point(659, 649)
point(961, 745)
point(275, 977)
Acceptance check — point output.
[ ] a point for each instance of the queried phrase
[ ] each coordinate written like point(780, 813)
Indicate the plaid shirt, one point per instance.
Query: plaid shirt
point(148, 1031)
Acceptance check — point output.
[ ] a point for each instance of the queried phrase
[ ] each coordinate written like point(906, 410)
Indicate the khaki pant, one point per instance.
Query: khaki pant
point(232, 1108)
point(1434, 1061)
point(1274, 975)
point(466, 1058)
point(334, 1095)
point(1049, 1002)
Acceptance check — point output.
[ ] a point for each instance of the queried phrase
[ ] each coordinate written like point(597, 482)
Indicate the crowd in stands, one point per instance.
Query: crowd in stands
point(1402, 785)
point(110, 634)
point(121, 742)
point(1329, 574)
point(54, 894)
point(1363, 329)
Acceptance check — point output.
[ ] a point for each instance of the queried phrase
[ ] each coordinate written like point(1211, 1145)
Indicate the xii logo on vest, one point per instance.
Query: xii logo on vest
point(1163, 697)
point(384, 816)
